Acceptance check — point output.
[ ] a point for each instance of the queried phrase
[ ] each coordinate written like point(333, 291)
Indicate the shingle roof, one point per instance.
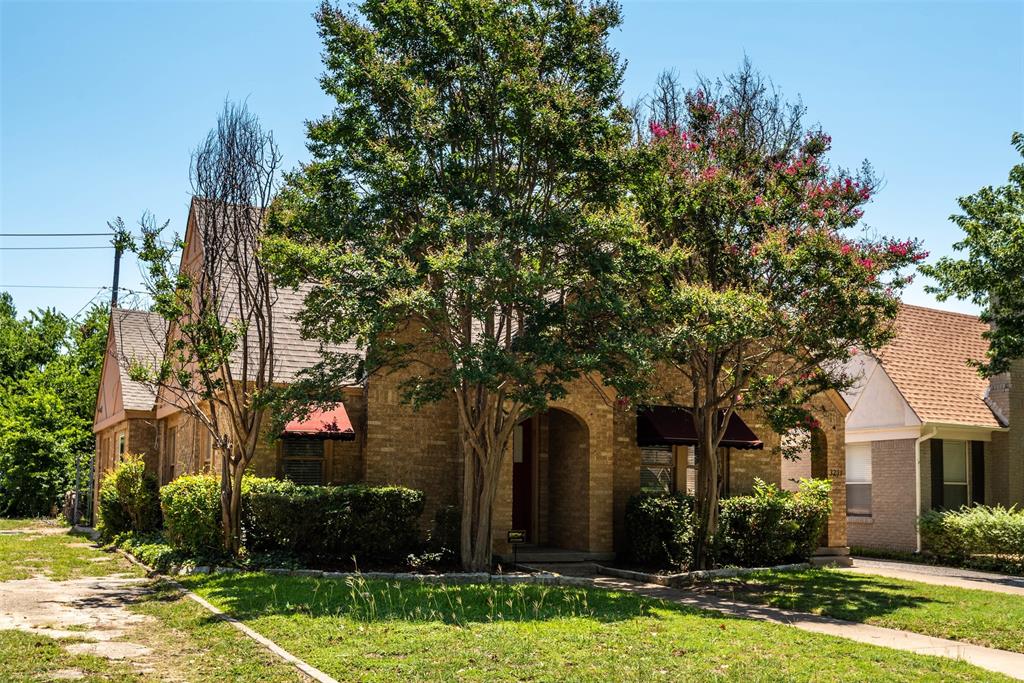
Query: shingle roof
point(927, 361)
point(292, 353)
point(139, 337)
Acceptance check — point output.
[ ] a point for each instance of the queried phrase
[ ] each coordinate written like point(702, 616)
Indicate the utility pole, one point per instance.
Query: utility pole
point(117, 273)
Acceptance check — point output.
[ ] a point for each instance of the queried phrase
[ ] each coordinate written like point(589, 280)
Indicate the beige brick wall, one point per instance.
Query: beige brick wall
point(892, 524)
point(405, 446)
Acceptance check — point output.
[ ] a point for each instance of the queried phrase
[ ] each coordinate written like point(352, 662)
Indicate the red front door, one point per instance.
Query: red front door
point(522, 478)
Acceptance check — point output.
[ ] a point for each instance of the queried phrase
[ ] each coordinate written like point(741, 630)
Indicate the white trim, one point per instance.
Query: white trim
point(883, 434)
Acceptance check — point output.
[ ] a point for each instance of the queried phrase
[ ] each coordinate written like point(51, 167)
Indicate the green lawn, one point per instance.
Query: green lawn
point(31, 657)
point(388, 631)
point(58, 557)
point(972, 616)
point(6, 523)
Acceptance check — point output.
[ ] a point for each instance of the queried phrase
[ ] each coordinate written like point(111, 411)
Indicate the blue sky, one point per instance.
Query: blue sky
point(102, 103)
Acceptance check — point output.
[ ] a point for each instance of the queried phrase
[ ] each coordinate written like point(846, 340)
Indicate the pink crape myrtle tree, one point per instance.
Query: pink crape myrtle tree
point(767, 281)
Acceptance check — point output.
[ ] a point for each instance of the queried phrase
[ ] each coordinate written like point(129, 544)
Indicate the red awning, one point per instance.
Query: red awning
point(324, 424)
point(671, 426)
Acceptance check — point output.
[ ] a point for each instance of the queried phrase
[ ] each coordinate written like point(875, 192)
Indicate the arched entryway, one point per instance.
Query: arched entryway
point(828, 462)
point(550, 480)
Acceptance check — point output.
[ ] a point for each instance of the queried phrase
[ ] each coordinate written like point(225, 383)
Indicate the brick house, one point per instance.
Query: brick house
point(926, 431)
point(566, 481)
point(125, 417)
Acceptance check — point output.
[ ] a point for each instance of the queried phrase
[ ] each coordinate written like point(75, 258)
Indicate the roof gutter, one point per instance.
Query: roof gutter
point(917, 480)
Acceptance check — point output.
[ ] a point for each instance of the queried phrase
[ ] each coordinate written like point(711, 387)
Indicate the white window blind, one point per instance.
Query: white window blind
point(657, 469)
point(858, 479)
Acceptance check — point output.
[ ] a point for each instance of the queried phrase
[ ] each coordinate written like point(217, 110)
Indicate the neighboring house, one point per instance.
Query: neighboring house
point(926, 431)
point(568, 477)
point(125, 418)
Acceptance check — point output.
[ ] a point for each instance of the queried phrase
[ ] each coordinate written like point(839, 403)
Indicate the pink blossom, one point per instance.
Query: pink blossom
point(758, 201)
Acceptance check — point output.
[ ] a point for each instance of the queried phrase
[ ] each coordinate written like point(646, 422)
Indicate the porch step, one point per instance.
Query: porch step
point(832, 557)
point(536, 555)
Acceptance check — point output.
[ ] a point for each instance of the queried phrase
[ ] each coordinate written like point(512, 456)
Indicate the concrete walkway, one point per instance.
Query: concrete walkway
point(1000, 661)
point(939, 576)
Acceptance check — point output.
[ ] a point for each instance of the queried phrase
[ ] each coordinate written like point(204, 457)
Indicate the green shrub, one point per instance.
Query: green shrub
point(771, 526)
point(150, 549)
point(446, 534)
point(286, 521)
point(979, 536)
point(660, 530)
point(191, 507)
point(331, 524)
point(129, 499)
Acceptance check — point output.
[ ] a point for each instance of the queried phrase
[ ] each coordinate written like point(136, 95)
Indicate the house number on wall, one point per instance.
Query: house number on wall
point(834, 472)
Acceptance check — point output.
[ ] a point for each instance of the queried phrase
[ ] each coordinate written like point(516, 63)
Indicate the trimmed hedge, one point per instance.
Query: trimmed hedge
point(327, 524)
point(978, 536)
point(772, 526)
point(129, 500)
point(660, 529)
point(314, 524)
point(766, 528)
point(191, 507)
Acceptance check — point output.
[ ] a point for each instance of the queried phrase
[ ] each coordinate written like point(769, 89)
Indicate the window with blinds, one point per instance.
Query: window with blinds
point(657, 469)
point(955, 493)
point(303, 460)
point(858, 479)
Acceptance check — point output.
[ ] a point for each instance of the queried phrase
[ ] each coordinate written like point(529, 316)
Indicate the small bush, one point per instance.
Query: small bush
point(331, 524)
point(980, 536)
point(772, 526)
point(191, 507)
point(150, 549)
point(446, 534)
point(660, 529)
point(129, 499)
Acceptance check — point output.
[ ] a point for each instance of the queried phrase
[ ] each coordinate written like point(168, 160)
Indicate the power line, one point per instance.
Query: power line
point(50, 248)
point(56, 234)
point(46, 287)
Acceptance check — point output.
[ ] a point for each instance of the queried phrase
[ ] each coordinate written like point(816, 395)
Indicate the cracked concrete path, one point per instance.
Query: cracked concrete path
point(939, 576)
point(1000, 661)
point(93, 610)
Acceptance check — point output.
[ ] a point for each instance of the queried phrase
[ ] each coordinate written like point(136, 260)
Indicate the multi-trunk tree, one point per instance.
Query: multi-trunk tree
point(459, 218)
point(219, 359)
point(992, 273)
point(767, 283)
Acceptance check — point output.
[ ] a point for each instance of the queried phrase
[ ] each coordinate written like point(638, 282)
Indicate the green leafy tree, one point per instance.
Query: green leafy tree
point(992, 274)
point(459, 218)
point(50, 376)
point(766, 285)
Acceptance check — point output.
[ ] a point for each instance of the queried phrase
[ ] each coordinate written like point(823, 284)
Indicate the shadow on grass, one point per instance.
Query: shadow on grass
point(251, 596)
point(843, 595)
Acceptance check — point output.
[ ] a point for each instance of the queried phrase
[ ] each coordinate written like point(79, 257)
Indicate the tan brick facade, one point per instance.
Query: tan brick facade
point(892, 524)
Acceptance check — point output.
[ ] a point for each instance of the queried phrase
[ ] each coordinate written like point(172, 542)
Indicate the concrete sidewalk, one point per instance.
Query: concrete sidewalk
point(939, 576)
point(1007, 663)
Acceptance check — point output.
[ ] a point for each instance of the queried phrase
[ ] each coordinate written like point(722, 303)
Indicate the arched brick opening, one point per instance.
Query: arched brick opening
point(568, 481)
point(827, 462)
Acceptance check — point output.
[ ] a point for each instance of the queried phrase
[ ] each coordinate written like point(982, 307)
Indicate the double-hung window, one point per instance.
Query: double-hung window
point(858, 479)
point(657, 469)
point(303, 460)
point(955, 489)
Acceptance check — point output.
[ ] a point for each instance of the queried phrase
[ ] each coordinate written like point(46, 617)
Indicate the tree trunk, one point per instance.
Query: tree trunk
point(483, 474)
point(707, 487)
point(231, 503)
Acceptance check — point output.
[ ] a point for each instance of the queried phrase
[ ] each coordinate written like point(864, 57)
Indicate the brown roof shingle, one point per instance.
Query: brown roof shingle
point(139, 337)
point(928, 359)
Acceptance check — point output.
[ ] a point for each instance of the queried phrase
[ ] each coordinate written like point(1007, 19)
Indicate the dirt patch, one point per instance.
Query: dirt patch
point(92, 610)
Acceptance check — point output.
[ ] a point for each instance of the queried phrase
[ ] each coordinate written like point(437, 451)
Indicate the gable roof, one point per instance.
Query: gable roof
point(139, 337)
point(928, 363)
point(292, 352)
